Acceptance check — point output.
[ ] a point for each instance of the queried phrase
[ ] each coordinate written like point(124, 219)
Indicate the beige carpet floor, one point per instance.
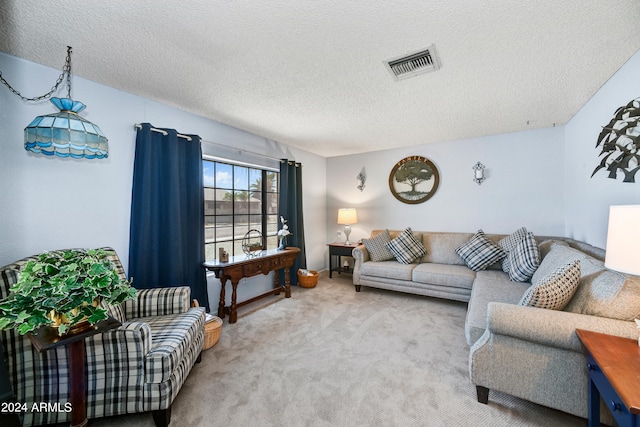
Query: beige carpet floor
point(329, 356)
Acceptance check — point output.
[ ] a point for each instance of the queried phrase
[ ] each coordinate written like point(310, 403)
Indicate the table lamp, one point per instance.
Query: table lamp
point(623, 238)
point(347, 216)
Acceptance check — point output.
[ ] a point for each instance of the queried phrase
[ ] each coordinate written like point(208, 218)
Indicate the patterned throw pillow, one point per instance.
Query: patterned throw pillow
point(479, 252)
point(406, 248)
point(376, 246)
point(554, 291)
point(509, 243)
point(524, 259)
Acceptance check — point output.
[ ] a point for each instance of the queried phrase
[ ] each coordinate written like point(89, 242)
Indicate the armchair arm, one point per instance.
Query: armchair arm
point(552, 328)
point(158, 302)
point(133, 337)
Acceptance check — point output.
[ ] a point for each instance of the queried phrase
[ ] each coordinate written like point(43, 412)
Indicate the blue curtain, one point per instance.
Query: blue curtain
point(166, 246)
point(290, 205)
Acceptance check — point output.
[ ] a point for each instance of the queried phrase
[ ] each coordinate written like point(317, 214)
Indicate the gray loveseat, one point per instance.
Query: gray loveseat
point(531, 353)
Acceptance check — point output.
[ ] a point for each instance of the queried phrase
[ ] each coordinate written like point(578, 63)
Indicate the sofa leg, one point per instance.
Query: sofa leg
point(199, 359)
point(483, 394)
point(357, 288)
point(162, 417)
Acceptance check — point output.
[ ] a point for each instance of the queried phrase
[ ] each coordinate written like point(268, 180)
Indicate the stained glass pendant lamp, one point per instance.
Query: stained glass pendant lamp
point(65, 133)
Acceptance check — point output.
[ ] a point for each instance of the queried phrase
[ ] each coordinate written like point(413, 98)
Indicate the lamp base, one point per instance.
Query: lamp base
point(347, 232)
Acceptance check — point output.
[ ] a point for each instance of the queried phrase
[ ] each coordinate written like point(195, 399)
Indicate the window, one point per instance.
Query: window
point(238, 199)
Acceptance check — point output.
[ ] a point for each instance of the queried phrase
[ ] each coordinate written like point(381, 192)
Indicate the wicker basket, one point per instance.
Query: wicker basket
point(309, 281)
point(212, 331)
point(212, 328)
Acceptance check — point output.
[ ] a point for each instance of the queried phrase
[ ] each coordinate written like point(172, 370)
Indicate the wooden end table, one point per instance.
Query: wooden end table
point(48, 338)
point(336, 251)
point(614, 373)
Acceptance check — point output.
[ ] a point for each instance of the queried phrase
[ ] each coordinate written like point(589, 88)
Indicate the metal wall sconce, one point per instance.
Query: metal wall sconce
point(478, 173)
point(362, 178)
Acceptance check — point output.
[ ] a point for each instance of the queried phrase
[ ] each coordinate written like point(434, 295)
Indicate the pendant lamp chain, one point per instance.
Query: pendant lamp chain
point(66, 70)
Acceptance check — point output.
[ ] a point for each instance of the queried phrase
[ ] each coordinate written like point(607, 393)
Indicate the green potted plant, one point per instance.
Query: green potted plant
point(64, 290)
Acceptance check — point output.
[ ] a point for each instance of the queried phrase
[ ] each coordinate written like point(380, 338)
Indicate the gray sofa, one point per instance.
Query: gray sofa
point(531, 353)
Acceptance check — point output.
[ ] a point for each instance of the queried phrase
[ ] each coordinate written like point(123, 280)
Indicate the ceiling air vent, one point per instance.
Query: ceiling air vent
point(413, 64)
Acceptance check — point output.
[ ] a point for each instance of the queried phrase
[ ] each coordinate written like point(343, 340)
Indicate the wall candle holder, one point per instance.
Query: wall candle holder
point(478, 173)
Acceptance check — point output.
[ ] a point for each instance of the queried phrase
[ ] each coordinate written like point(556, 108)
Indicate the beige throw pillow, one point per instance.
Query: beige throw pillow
point(554, 291)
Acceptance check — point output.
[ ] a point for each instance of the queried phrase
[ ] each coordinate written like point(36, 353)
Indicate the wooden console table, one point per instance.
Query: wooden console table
point(240, 266)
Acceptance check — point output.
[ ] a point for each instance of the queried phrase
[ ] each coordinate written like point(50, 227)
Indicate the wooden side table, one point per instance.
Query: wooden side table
point(8, 417)
point(47, 338)
point(614, 373)
point(336, 251)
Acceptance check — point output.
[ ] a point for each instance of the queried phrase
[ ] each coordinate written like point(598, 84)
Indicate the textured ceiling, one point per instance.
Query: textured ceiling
point(310, 74)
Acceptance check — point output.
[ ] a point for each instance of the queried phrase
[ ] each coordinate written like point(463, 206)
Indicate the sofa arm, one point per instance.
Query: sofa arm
point(360, 255)
point(552, 328)
point(158, 302)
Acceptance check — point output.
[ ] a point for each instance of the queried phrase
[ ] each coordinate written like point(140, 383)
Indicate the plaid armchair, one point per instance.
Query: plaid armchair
point(137, 367)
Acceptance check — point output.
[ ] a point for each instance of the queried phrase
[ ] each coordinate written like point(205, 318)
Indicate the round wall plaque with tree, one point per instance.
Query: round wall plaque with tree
point(414, 180)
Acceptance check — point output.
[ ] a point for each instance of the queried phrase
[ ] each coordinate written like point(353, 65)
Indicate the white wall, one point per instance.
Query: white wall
point(588, 199)
point(524, 186)
point(537, 178)
point(540, 179)
point(50, 203)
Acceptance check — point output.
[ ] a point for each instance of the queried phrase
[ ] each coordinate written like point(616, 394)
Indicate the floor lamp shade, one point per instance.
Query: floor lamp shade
point(623, 239)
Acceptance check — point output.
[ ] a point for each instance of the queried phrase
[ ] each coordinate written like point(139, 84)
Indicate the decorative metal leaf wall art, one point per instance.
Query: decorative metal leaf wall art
point(619, 140)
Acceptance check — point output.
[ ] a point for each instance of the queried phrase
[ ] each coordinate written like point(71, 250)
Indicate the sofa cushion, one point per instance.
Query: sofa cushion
point(554, 291)
point(524, 259)
point(479, 252)
point(489, 286)
point(601, 292)
point(561, 255)
point(545, 247)
point(609, 294)
point(441, 247)
point(406, 248)
point(458, 276)
point(509, 243)
point(172, 336)
point(387, 269)
point(377, 246)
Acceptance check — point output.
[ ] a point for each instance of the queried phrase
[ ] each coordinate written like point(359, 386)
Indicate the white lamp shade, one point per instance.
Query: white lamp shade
point(623, 239)
point(347, 216)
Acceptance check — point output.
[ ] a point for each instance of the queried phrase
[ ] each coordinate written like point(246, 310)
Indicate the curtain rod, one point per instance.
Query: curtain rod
point(164, 132)
point(188, 138)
